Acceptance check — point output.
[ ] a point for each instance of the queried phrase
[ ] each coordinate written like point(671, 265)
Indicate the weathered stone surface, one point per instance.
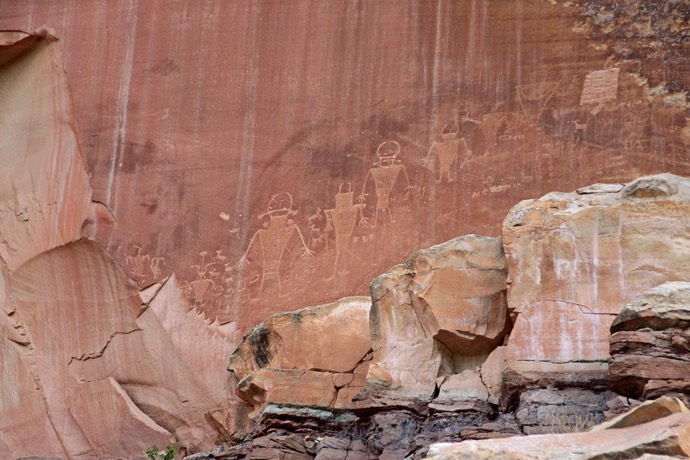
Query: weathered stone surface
point(650, 344)
point(663, 307)
point(463, 391)
point(556, 342)
point(316, 357)
point(495, 102)
point(48, 303)
point(666, 436)
point(445, 307)
point(45, 196)
point(332, 448)
point(560, 410)
point(598, 250)
point(177, 142)
point(645, 412)
point(574, 260)
point(308, 339)
point(492, 373)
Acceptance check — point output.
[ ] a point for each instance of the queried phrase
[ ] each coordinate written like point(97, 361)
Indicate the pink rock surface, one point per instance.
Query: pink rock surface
point(45, 195)
point(194, 116)
point(73, 291)
point(559, 342)
point(318, 357)
point(440, 313)
point(598, 249)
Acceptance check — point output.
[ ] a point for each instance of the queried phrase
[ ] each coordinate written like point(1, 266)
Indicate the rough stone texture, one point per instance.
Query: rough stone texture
point(496, 101)
point(650, 345)
point(315, 357)
point(556, 342)
point(574, 260)
point(45, 195)
point(601, 249)
point(492, 373)
point(645, 412)
point(560, 410)
point(440, 313)
point(122, 356)
point(666, 436)
point(463, 391)
point(267, 173)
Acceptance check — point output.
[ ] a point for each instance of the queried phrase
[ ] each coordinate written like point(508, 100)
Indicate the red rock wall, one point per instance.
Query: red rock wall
point(200, 121)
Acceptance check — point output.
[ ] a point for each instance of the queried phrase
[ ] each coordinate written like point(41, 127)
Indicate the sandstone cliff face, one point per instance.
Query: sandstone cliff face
point(91, 367)
point(201, 122)
point(240, 182)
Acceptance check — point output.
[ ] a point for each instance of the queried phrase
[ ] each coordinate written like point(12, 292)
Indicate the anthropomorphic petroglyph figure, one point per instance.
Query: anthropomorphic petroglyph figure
point(274, 238)
point(343, 219)
point(385, 174)
point(138, 263)
point(319, 228)
point(447, 152)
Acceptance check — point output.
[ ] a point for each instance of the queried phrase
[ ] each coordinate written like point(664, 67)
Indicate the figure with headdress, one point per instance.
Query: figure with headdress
point(343, 219)
point(385, 174)
point(273, 239)
point(447, 151)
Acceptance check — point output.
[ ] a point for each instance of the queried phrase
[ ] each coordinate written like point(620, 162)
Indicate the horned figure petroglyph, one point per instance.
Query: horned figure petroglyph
point(319, 228)
point(533, 98)
point(343, 219)
point(138, 262)
point(274, 238)
point(385, 174)
point(447, 151)
point(141, 264)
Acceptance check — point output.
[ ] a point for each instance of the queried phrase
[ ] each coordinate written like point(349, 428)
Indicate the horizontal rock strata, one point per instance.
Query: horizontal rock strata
point(650, 343)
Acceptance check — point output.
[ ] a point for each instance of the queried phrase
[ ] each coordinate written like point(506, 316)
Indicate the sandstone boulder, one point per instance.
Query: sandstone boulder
point(650, 343)
point(645, 412)
point(440, 313)
point(601, 247)
point(316, 357)
point(574, 260)
point(667, 436)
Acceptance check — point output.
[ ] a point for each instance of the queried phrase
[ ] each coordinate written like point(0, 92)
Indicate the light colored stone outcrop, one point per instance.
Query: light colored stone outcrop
point(574, 260)
point(668, 436)
point(440, 313)
point(601, 248)
point(554, 342)
point(645, 412)
point(315, 357)
point(650, 343)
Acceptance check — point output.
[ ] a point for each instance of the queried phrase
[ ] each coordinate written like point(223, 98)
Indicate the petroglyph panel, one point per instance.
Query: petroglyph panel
point(439, 115)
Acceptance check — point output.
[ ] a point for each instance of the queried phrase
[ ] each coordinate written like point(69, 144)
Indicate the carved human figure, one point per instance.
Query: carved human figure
point(447, 152)
point(385, 174)
point(343, 219)
point(138, 263)
point(273, 239)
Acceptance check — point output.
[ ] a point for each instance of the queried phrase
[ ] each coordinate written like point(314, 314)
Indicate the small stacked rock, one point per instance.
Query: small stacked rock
point(650, 344)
